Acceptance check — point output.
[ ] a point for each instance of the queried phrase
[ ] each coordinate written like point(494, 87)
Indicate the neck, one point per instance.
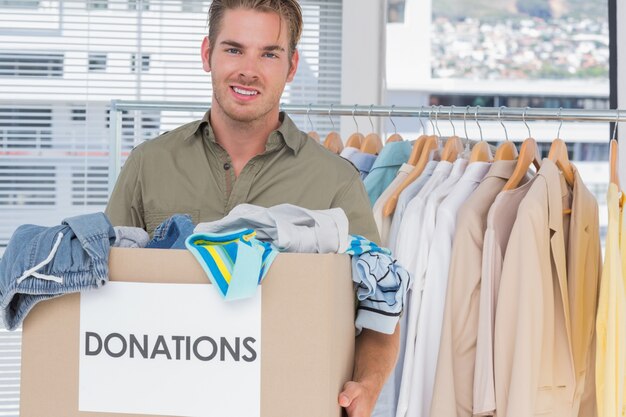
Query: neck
point(242, 140)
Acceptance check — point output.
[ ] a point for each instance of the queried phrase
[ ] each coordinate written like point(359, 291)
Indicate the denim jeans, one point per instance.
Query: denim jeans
point(44, 262)
point(171, 234)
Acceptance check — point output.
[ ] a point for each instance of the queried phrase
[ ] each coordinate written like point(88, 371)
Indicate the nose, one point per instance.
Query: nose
point(249, 71)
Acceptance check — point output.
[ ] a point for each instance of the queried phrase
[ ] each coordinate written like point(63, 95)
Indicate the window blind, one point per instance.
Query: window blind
point(62, 62)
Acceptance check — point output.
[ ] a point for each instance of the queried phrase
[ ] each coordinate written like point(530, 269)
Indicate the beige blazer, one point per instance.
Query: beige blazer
point(547, 301)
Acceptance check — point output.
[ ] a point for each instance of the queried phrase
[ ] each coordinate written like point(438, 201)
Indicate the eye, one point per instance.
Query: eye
point(270, 55)
point(233, 51)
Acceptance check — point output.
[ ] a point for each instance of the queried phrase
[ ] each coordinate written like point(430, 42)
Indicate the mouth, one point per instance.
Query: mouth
point(244, 93)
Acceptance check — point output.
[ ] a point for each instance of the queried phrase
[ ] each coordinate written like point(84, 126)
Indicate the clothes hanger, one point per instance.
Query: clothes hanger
point(558, 154)
point(312, 133)
point(355, 139)
point(507, 151)
point(454, 144)
point(481, 151)
point(416, 151)
point(431, 144)
point(333, 141)
point(395, 137)
point(614, 156)
point(528, 154)
point(372, 143)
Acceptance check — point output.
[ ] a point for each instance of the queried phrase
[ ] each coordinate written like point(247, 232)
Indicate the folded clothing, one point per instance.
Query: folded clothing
point(44, 262)
point(235, 263)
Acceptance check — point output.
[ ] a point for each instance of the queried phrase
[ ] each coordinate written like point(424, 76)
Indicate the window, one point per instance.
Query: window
point(97, 4)
point(97, 62)
point(24, 128)
point(19, 4)
point(193, 6)
point(395, 11)
point(17, 64)
point(138, 4)
point(145, 63)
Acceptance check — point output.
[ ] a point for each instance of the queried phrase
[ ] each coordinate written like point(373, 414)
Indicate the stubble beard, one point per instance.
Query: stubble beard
point(247, 117)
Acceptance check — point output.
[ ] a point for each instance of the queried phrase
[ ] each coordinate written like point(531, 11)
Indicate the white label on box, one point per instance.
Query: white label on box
point(169, 349)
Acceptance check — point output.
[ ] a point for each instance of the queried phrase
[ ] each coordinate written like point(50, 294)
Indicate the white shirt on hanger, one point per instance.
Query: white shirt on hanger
point(405, 198)
point(384, 222)
point(388, 399)
point(410, 238)
point(435, 284)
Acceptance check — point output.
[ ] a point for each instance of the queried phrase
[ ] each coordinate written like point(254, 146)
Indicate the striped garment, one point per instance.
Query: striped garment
point(382, 285)
point(235, 262)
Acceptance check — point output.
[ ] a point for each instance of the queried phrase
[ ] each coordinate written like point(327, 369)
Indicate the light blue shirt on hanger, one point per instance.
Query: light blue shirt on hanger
point(385, 168)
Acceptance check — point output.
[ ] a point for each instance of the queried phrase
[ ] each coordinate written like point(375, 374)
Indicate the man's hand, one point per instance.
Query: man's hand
point(374, 359)
point(358, 399)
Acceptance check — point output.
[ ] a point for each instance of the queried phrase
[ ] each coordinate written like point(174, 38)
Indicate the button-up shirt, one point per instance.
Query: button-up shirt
point(187, 171)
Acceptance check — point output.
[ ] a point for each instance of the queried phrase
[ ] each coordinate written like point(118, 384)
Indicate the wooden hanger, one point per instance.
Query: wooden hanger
point(430, 144)
point(507, 151)
point(355, 140)
point(481, 152)
point(529, 154)
point(372, 144)
point(395, 137)
point(452, 149)
point(614, 163)
point(558, 155)
point(416, 151)
point(333, 142)
point(614, 158)
point(314, 135)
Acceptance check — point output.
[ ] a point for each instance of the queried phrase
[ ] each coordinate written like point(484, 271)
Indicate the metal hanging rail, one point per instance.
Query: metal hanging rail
point(442, 112)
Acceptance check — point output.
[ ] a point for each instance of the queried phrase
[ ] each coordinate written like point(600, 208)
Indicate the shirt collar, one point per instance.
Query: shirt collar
point(501, 169)
point(394, 154)
point(287, 133)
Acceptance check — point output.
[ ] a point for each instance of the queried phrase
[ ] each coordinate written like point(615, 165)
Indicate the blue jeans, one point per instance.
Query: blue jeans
point(171, 234)
point(44, 262)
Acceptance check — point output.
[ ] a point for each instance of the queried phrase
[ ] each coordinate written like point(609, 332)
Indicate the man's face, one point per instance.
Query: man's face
point(249, 64)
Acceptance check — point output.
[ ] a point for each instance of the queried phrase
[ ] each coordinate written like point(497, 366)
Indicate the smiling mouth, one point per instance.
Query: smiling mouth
point(245, 92)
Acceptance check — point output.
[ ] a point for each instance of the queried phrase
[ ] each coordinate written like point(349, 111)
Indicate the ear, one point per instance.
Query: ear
point(294, 66)
point(205, 52)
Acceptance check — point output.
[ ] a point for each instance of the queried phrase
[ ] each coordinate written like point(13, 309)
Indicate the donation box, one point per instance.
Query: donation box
point(158, 340)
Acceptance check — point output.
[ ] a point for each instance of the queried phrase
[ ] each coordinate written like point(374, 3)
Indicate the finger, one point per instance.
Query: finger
point(351, 390)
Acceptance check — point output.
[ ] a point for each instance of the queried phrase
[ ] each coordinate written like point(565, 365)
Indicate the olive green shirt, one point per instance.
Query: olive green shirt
point(187, 171)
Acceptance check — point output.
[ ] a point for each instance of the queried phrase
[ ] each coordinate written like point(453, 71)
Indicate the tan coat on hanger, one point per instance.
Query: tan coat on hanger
point(547, 301)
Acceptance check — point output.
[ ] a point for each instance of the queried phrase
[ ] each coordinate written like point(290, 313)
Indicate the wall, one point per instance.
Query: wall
point(363, 60)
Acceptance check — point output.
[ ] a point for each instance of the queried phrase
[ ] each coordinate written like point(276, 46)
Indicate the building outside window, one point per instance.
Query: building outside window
point(145, 63)
point(97, 62)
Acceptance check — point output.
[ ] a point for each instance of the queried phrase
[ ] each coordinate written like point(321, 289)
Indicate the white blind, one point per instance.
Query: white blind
point(62, 62)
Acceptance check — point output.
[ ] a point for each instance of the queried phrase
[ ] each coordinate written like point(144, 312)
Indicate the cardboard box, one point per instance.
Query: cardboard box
point(306, 324)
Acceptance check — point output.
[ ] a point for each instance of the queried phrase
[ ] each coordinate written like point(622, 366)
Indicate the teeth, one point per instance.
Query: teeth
point(245, 92)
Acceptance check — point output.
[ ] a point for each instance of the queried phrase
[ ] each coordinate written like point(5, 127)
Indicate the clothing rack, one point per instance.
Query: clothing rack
point(440, 113)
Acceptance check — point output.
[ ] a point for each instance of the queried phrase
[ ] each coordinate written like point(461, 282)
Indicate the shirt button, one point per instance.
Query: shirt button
point(226, 166)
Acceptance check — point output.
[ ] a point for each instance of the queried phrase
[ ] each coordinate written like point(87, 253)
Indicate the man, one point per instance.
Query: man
point(246, 151)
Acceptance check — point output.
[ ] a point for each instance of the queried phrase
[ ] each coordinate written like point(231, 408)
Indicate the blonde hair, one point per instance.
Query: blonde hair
point(287, 9)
